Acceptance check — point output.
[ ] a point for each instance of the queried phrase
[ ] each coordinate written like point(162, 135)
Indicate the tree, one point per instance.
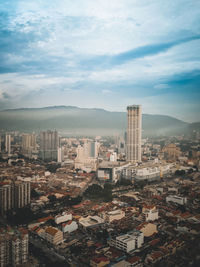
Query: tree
point(108, 186)
point(93, 190)
point(180, 172)
point(52, 198)
point(52, 167)
point(34, 193)
point(125, 182)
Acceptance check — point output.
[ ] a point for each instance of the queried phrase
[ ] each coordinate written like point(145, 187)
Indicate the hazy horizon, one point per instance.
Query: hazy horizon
point(94, 108)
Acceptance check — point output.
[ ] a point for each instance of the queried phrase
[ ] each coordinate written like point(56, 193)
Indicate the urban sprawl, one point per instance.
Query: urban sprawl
point(117, 201)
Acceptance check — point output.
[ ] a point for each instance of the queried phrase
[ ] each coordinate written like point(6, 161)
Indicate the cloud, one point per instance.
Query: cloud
point(62, 51)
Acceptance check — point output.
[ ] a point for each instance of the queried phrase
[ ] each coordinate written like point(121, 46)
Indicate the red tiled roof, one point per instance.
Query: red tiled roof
point(100, 259)
point(154, 242)
point(77, 206)
point(156, 255)
point(134, 259)
point(44, 219)
point(52, 231)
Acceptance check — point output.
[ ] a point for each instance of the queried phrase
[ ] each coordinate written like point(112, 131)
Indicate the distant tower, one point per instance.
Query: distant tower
point(29, 144)
point(8, 143)
point(91, 149)
point(134, 132)
point(49, 142)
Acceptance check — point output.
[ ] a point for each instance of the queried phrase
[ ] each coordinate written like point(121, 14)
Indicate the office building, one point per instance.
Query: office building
point(134, 132)
point(49, 143)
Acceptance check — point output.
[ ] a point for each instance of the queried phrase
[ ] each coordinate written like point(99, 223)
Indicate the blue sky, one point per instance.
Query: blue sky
point(103, 54)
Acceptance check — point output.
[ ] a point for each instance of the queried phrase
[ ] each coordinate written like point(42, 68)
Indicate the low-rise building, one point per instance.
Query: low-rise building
point(113, 215)
point(128, 242)
point(65, 216)
point(176, 199)
point(53, 235)
point(135, 261)
point(69, 227)
point(148, 229)
point(150, 215)
point(91, 221)
point(99, 262)
point(122, 263)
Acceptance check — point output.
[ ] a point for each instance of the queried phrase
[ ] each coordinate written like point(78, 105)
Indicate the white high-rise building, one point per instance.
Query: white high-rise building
point(8, 143)
point(87, 156)
point(60, 154)
point(91, 149)
point(134, 133)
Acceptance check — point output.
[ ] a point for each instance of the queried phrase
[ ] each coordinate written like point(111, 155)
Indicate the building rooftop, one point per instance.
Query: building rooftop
point(51, 230)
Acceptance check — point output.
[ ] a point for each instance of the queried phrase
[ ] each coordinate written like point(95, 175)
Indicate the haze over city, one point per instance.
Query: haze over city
point(101, 54)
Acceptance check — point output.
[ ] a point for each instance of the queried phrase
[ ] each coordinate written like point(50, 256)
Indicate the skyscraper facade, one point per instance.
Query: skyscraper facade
point(49, 143)
point(8, 143)
point(14, 195)
point(13, 247)
point(134, 133)
point(29, 145)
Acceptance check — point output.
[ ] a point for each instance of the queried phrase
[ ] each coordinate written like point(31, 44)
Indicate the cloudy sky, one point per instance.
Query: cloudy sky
point(104, 54)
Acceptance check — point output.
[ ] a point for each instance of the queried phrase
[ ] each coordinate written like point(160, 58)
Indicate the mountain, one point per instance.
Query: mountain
point(83, 121)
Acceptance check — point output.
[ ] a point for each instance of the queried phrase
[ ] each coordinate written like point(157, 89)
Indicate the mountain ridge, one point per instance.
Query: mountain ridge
point(93, 121)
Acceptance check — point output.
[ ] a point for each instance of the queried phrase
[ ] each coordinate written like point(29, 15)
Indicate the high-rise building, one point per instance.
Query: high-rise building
point(22, 194)
point(87, 156)
point(29, 145)
point(60, 154)
point(14, 195)
point(49, 143)
point(13, 247)
point(8, 144)
point(6, 198)
point(134, 132)
point(91, 149)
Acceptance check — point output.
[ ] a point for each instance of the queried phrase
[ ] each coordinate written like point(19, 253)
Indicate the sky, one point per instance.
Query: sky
point(102, 54)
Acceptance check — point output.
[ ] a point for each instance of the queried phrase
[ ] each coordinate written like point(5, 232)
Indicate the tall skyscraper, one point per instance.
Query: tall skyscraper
point(49, 143)
point(8, 143)
point(29, 145)
point(134, 132)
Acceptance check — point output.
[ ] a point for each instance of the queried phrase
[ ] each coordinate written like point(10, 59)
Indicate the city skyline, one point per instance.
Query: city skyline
point(102, 55)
